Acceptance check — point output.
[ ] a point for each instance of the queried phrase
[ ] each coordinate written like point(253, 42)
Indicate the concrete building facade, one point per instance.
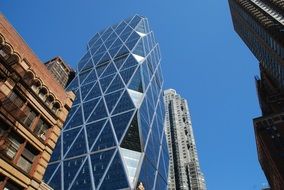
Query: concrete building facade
point(184, 169)
point(33, 108)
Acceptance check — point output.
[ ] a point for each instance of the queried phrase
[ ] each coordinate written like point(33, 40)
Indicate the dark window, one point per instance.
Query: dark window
point(42, 129)
point(30, 115)
point(10, 185)
point(12, 145)
point(27, 158)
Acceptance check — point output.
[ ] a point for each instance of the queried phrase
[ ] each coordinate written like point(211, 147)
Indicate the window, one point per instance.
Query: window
point(10, 185)
point(13, 143)
point(41, 129)
point(30, 115)
point(16, 100)
point(27, 158)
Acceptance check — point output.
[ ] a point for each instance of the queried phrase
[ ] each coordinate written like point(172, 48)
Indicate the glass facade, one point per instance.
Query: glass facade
point(114, 136)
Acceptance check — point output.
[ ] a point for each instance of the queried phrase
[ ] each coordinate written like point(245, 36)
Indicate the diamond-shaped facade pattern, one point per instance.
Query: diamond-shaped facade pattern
point(117, 115)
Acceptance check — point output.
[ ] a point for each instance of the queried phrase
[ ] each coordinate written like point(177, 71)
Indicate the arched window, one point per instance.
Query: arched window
point(35, 85)
point(49, 100)
point(55, 107)
point(42, 93)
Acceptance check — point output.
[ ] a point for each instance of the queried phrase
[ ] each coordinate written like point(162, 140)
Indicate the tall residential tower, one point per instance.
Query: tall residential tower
point(260, 24)
point(114, 135)
point(184, 172)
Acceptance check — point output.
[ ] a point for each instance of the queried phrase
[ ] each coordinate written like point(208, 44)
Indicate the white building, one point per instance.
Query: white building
point(184, 170)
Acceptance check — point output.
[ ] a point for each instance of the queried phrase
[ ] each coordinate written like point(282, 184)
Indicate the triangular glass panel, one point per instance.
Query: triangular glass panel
point(100, 161)
point(56, 181)
point(135, 21)
point(95, 92)
point(115, 177)
point(89, 106)
point(105, 82)
point(120, 123)
point(93, 130)
point(76, 120)
point(133, 37)
point(122, 51)
point(141, 28)
point(162, 166)
point(136, 82)
point(83, 60)
point(139, 58)
point(71, 167)
point(147, 174)
point(56, 154)
point(104, 59)
point(120, 28)
point(51, 168)
point(136, 97)
point(126, 33)
point(111, 99)
point(131, 139)
point(127, 74)
point(101, 68)
point(125, 103)
point(69, 137)
point(117, 43)
point(131, 44)
point(120, 60)
point(150, 150)
point(99, 113)
point(101, 50)
point(109, 70)
point(130, 62)
point(83, 180)
point(106, 34)
point(95, 49)
point(70, 114)
point(86, 89)
point(79, 146)
point(97, 57)
point(88, 65)
point(74, 84)
point(77, 98)
point(112, 36)
point(113, 51)
point(131, 159)
point(109, 43)
point(83, 75)
point(116, 84)
point(105, 140)
point(94, 39)
point(139, 49)
point(91, 77)
point(146, 76)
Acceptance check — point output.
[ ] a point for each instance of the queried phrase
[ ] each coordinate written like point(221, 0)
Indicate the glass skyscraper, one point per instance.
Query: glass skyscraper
point(113, 137)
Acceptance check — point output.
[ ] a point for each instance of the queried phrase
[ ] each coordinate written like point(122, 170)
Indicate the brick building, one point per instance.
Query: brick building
point(33, 108)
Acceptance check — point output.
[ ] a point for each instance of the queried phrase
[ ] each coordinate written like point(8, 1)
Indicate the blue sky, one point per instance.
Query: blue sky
point(202, 58)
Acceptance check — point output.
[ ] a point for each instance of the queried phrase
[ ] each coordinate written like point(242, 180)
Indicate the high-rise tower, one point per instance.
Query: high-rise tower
point(260, 23)
point(184, 172)
point(113, 137)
